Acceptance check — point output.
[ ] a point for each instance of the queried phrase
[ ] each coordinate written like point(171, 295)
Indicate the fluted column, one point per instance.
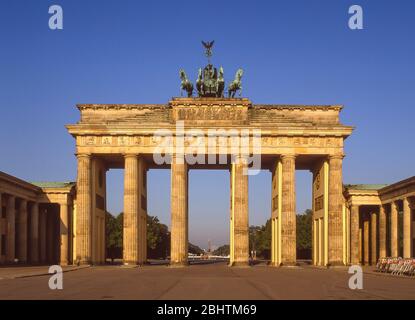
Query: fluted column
point(240, 212)
point(34, 233)
point(22, 235)
point(354, 235)
point(64, 234)
point(1, 225)
point(335, 223)
point(11, 228)
point(382, 231)
point(394, 229)
point(131, 210)
point(288, 212)
point(179, 212)
point(50, 238)
point(42, 235)
point(84, 210)
point(407, 226)
point(373, 238)
point(366, 241)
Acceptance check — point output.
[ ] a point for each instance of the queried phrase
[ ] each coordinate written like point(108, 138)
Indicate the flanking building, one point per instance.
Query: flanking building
point(36, 221)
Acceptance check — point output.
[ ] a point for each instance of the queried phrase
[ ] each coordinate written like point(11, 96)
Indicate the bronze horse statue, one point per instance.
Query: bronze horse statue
point(220, 84)
point(186, 84)
point(236, 84)
point(199, 83)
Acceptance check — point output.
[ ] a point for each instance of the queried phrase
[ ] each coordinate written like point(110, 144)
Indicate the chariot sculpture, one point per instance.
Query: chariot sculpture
point(210, 82)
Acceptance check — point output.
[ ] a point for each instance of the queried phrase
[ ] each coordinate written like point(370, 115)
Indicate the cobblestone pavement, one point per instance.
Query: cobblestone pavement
point(212, 281)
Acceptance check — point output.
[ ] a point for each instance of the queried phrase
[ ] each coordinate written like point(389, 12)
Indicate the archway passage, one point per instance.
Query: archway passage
point(328, 225)
point(209, 211)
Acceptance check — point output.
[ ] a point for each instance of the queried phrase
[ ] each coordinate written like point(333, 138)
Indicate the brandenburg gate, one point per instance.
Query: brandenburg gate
point(292, 137)
point(143, 137)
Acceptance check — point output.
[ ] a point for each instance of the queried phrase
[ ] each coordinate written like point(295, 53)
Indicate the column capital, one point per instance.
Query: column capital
point(335, 156)
point(130, 155)
point(288, 156)
point(240, 159)
point(83, 155)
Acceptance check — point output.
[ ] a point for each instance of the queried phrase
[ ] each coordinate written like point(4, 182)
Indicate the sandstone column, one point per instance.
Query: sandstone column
point(321, 252)
point(382, 231)
point(373, 238)
point(1, 224)
point(34, 233)
point(240, 212)
point(131, 208)
point(142, 217)
point(179, 212)
point(22, 235)
point(335, 222)
point(354, 235)
point(407, 224)
point(50, 237)
point(394, 229)
point(361, 242)
point(288, 213)
point(64, 234)
point(84, 210)
point(11, 228)
point(42, 234)
point(366, 241)
point(276, 185)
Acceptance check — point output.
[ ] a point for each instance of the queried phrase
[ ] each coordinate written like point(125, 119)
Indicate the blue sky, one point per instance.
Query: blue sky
point(293, 52)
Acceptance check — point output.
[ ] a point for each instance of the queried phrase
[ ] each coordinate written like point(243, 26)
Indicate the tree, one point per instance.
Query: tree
point(114, 235)
point(222, 251)
point(158, 238)
point(260, 237)
point(260, 240)
point(304, 222)
point(195, 249)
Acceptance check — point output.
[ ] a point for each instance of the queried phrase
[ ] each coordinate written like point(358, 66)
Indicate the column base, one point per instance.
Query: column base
point(240, 264)
point(179, 264)
point(133, 264)
point(83, 262)
point(274, 264)
point(289, 264)
point(336, 264)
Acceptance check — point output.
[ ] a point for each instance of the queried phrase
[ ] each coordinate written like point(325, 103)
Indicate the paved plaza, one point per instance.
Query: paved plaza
point(212, 281)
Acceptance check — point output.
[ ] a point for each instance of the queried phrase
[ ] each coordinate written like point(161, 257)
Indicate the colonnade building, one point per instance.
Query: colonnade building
point(382, 221)
point(36, 221)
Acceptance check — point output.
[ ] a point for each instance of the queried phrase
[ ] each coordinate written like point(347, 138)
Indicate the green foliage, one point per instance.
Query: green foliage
point(304, 230)
point(260, 236)
point(113, 235)
point(158, 238)
point(260, 240)
point(195, 249)
point(222, 251)
point(113, 231)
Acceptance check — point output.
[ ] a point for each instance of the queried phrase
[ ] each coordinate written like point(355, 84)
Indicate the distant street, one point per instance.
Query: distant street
point(210, 281)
